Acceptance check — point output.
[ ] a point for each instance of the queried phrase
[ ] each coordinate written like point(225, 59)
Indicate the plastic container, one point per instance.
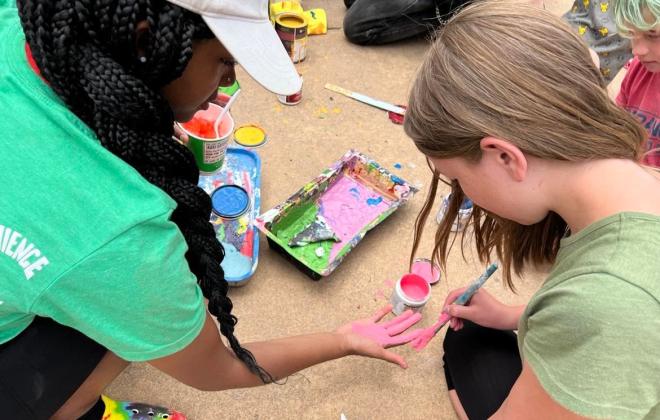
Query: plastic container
point(410, 292)
point(464, 213)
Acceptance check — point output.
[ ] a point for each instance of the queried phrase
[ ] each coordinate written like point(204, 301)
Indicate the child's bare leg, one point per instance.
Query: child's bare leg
point(458, 407)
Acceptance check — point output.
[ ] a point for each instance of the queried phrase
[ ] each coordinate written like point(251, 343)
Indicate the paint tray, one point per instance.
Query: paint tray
point(241, 171)
point(351, 197)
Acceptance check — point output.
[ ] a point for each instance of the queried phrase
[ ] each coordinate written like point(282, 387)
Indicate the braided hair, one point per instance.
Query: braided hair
point(85, 49)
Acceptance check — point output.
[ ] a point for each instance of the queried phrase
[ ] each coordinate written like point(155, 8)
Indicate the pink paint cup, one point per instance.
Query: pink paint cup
point(410, 292)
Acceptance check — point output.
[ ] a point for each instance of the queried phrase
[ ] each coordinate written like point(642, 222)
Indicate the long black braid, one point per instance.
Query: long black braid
point(86, 51)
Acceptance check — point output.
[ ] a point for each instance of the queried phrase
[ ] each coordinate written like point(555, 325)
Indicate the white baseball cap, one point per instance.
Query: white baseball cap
point(245, 30)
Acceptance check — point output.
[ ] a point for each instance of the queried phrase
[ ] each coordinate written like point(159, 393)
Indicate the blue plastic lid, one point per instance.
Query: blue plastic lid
point(230, 201)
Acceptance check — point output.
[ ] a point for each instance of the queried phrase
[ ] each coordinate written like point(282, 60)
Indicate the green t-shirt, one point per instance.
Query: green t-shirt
point(84, 238)
point(592, 332)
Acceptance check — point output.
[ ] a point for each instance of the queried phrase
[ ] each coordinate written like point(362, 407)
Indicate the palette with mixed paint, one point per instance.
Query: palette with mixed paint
point(235, 195)
point(320, 224)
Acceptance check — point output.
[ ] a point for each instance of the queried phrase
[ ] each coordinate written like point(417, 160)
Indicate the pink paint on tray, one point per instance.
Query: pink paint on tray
point(348, 206)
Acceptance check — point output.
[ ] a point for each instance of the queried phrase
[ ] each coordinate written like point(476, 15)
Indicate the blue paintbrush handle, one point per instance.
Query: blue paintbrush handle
point(465, 296)
point(472, 289)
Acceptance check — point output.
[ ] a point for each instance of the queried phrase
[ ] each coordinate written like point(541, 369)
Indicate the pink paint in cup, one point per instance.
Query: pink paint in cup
point(410, 292)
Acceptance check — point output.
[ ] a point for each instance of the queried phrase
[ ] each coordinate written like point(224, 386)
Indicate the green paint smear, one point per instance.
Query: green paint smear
point(298, 219)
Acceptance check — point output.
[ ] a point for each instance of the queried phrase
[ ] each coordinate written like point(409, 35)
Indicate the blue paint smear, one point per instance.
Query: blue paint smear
point(235, 264)
point(374, 201)
point(355, 193)
point(397, 165)
point(396, 179)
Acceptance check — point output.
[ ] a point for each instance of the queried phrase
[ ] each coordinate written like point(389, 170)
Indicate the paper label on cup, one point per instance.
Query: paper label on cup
point(214, 151)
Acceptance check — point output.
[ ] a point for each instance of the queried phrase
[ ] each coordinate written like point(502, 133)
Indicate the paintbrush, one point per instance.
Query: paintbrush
point(366, 99)
point(428, 333)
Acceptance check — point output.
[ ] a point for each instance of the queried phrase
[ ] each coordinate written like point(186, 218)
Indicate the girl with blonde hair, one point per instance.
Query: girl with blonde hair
point(511, 112)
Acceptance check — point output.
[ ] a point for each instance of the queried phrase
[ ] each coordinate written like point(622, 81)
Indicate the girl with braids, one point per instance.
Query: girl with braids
point(511, 112)
point(107, 253)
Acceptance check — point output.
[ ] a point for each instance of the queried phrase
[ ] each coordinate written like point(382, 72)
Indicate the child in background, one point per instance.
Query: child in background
point(511, 112)
point(640, 89)
point(592, 20)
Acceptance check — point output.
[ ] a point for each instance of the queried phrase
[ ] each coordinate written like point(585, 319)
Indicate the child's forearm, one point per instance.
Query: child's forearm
point(513, 314)
point(208, 365)
point(285, 356)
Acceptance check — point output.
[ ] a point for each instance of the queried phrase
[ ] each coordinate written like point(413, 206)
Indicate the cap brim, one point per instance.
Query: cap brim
point(258, 49)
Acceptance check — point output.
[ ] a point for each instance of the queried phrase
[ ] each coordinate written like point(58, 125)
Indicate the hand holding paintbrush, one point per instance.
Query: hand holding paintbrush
point(428, 333)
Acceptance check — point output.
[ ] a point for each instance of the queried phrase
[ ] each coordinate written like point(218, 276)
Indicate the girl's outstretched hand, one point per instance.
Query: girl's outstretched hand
point(482, 309)
point(371, 337)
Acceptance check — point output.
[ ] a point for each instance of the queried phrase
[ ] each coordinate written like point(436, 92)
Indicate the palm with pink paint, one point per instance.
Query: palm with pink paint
point(389, 333)
point(371, 337)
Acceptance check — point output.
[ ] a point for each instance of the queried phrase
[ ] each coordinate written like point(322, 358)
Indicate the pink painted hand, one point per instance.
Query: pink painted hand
point(388, 333)
point(370, 337)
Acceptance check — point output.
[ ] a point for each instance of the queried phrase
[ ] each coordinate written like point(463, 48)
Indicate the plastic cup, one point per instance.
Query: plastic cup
point(464, 213)
point(410, 292)
point(209, 150)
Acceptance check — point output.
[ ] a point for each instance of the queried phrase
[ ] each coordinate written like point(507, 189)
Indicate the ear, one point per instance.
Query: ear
point(142, 38)
point(505, 155)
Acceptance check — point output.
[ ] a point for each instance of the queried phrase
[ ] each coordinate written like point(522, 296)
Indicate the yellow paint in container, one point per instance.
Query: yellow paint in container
point(292, 30)
point(250, 135)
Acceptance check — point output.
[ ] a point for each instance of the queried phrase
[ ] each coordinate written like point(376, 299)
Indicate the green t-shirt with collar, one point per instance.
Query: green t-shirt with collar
point(591, 334)
point(84, 238)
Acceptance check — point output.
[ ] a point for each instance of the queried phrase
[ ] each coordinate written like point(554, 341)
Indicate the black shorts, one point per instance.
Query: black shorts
point(42, 367)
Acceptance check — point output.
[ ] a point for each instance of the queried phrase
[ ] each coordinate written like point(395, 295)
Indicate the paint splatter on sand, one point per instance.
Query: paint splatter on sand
point(380, 295)
point(398, 166)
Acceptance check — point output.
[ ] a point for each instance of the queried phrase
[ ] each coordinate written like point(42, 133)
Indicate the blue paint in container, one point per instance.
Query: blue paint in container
point(230, 201)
